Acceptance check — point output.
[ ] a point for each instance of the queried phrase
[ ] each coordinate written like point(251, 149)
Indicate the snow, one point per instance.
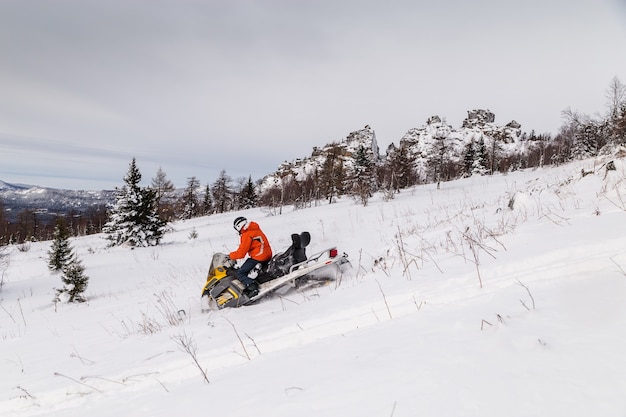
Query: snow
point(462, 301)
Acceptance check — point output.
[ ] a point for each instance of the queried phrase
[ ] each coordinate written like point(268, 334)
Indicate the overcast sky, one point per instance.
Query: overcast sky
point(198, 86)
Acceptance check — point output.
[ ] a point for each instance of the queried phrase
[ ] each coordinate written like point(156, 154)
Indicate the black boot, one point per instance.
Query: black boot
point(251, 290)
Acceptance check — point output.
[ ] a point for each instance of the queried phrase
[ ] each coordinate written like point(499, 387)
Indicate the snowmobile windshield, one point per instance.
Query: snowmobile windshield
point(219, 259)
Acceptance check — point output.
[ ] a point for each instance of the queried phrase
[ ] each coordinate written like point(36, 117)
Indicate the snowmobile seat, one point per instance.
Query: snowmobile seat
point(299, 244)
point(279, 265)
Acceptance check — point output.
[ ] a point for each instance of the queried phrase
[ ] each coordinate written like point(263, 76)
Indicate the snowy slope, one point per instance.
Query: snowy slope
point(492, 296)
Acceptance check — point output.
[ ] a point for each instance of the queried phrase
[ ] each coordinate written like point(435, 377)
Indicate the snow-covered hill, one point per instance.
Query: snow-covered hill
point(491, 296)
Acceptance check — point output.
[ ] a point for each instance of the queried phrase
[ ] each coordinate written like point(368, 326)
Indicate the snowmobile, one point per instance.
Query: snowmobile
point(285, 271)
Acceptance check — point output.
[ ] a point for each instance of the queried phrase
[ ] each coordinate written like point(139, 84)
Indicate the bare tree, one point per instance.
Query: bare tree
point(616, 97)
point(162, 185)
point(164, 190)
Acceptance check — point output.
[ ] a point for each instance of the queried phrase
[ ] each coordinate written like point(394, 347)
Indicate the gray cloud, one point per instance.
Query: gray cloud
point(200, 86)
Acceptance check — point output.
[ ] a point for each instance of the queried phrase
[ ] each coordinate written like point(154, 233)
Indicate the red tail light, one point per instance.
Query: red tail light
point(333, 252)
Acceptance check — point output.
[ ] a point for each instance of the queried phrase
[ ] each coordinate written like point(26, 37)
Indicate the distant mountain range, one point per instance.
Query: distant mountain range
point(49, 202)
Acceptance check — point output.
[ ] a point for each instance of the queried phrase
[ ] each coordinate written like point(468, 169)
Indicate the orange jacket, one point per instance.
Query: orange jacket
point(254, 243)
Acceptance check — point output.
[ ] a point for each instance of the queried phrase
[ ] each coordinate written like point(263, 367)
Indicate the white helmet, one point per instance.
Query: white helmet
point(240, 223)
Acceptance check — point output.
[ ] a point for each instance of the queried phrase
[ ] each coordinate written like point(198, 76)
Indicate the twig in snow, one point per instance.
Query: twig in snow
point(619, 266)
point(531, 296)
point(131, 377)
point(243, 345)
point(384, 298)
point(419, 306)
point(21, 311)
point(375, 315)
point(9, 314)
point(163, 385)
point(358, 270)
point(83, 360)
point(78, 382)
point(187, 344)
point(403, 255)
point(26, 393)
point(84, 378)
point(254, 343)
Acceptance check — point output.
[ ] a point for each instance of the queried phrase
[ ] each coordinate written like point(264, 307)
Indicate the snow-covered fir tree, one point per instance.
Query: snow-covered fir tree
point(479, 165)
point(60, 253)
point(75, 282)
point(61, 258)
point(207, 202)
point(362, 176)
point(134, 220)
point(587, 139)
point(248, 197)
point(475, 158)
point(440, 153)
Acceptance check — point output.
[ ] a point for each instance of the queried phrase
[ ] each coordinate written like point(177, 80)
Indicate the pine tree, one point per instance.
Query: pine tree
point(475, 158)
point(222, 193)
point(440, 156)
point(363, 181)
point(479, 166)
point(248, 197)
point(586, 145)
point(207, 202)
point(400, 167)
point(75, 282)
point(332, 174)
point(62, 258)
point(134, 220)
point(60, 252)
point(619, 127)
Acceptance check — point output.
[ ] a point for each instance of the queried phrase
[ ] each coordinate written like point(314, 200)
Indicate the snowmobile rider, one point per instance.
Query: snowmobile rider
point(254, 243)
